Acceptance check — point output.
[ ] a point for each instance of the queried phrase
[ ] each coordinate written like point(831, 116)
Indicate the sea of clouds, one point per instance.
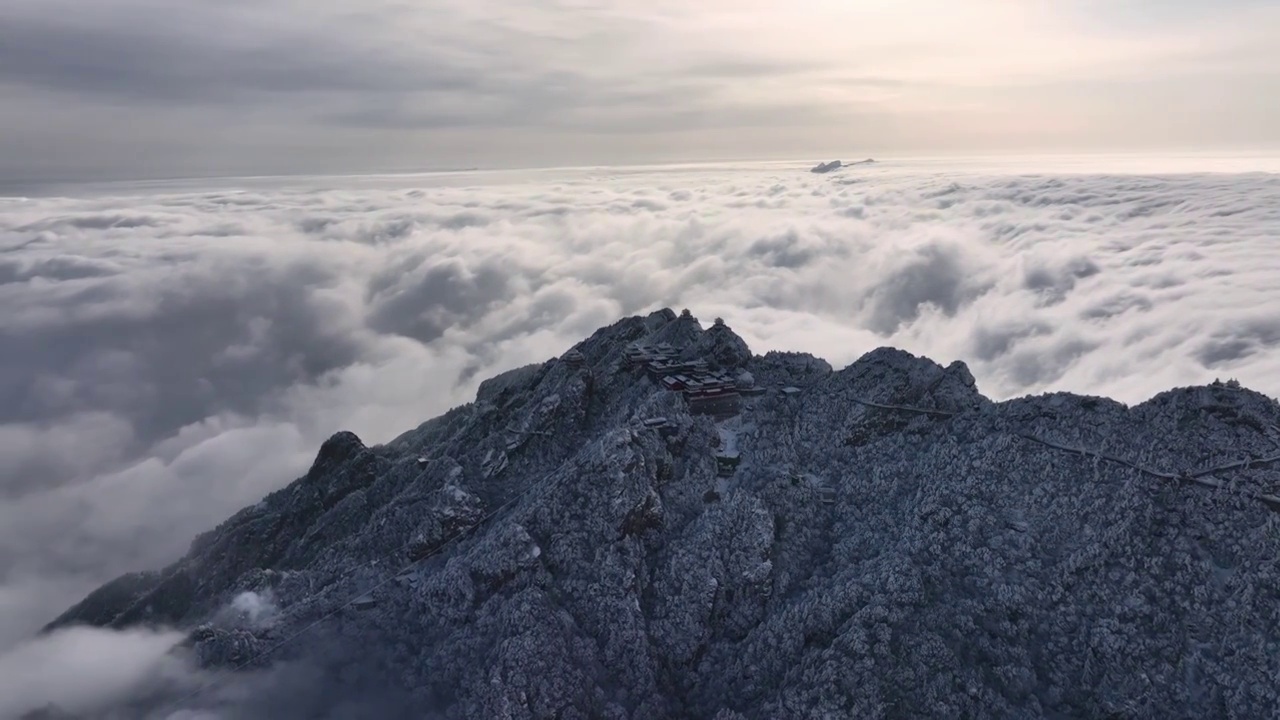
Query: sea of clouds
point(171, 354)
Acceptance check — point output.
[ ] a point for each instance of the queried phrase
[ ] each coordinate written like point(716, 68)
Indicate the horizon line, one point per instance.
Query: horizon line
point(1234, 153)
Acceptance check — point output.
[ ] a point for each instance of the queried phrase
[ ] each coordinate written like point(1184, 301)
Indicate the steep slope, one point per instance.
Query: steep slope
point(890, 543)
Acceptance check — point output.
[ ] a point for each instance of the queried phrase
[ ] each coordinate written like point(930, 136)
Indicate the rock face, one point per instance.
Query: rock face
point(721, 347)
point(891, 544)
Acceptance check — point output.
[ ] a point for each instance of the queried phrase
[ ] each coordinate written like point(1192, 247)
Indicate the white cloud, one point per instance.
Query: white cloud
point(173, 356)
point(254, 609)
point(81, 669)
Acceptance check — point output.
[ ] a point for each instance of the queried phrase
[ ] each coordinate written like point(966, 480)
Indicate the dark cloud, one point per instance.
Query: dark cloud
point(96, 221)
point(1054, 282)
point(41, 455)
point(1236, 341)
point(991, 343)
point(192, 51)
point(174, 351)
point(467, 71)
point(1104, 308)
point(423, 299)
point(56, 269)
point(785, 251)
point(932, 275)
point(1043, 364)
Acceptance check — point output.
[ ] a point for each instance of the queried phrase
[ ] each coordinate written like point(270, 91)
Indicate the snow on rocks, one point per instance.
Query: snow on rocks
point(890, 543)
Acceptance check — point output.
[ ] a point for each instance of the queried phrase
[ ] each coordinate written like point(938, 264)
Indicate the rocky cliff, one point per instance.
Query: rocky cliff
point(890, 543)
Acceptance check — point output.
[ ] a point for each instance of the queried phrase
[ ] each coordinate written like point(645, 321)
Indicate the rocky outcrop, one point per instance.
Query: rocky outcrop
point(721, 347)
point(104, 605)
point(890, 543)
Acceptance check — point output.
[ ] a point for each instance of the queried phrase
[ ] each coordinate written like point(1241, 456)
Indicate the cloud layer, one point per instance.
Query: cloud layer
point(85, 669)
point(171, 357)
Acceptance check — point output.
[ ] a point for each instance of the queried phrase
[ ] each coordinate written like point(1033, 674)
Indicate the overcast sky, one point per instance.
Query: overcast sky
point(136, 88)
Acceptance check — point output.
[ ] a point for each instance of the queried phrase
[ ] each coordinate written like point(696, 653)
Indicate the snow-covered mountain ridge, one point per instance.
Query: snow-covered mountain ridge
point(878, 541)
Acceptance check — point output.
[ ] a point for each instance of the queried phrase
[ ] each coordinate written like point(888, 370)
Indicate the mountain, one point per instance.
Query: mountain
point(879, 541)
point(834, 165)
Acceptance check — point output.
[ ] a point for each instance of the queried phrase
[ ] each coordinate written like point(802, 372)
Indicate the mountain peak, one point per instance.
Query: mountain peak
point(341, 447)
point(658, 523)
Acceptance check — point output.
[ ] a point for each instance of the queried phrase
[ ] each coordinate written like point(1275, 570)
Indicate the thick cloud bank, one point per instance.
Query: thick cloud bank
point(170, 358)
point(84, 669)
